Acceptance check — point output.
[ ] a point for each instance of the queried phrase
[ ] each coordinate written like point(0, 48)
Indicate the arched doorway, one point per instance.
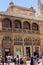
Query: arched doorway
point(7, 47)
point(28, 45)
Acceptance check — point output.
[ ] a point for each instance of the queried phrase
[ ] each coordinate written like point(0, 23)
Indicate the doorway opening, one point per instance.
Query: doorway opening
point(7, 52)
point(37, 50)
point(28, 52)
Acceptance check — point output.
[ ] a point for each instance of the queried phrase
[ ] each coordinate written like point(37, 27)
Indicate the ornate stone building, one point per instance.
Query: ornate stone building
point(21, 32)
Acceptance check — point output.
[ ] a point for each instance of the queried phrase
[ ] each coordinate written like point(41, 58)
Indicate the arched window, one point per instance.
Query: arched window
point(26, 25)
point(6, 40)
point(36, 41)
point(6, 23)
point(17, 24)
point(35, 27)
point(18, 39)
point(27, 41)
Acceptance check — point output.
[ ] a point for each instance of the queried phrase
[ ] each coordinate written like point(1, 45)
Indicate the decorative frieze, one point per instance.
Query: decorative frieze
point(18, 43)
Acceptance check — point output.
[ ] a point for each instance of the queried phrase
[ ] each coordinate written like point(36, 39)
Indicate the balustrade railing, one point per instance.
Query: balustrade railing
point(35, 31)
point(6, 29)
point(26, 31)
point(18, 30)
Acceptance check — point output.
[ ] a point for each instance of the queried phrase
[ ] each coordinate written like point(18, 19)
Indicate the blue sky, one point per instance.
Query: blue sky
point(23, 3)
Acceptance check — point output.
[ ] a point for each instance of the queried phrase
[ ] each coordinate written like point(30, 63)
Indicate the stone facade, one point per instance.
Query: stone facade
point(40, 9)
point(21, 32)
point(20, 10)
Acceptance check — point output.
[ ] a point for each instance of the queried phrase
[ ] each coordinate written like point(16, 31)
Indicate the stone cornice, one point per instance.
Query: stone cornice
point(21, 16)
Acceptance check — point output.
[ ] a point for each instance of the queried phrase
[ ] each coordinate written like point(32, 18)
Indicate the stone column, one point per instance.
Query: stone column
point(12, 44)
point(0, 48)
point(12, 37)
point(23, 40)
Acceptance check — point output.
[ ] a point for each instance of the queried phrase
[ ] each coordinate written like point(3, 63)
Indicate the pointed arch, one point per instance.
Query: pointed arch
point(36, 41)
point(6, 40)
